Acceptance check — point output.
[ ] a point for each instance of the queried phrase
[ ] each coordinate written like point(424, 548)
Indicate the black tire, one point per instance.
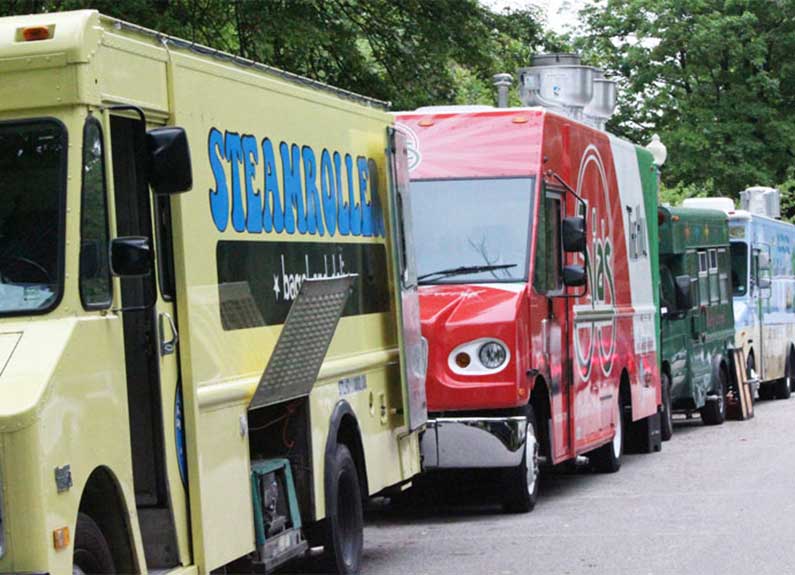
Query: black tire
point(607, 459)
point(666, 413)
point(91, 550)
point(521, 482)
point(714, 412)
point(791, 369)
point(767, 391)
point(781, 388)
point(344, 537)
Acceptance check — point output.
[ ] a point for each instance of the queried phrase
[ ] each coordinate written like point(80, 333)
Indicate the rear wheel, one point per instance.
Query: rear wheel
point(344, 537)
point(666, 417)
point(91, 550)
point(607, 459)
point(714, 412)
point(521, 482)
point(783, 387)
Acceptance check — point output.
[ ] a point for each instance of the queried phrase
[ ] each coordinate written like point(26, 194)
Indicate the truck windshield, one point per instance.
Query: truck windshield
point(32, 179)
point(469, 231)
point(739, 268)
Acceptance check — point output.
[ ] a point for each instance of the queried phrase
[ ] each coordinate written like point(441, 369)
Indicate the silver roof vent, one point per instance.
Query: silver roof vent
point(603, 104)
point(562, 83)
point(762, 200)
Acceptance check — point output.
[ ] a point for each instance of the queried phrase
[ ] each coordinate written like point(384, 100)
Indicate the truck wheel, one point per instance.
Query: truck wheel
point(766, 391)
point(344, 536)
point(607, 459)
point(782, 389)
point(666, 417)
point(521, 482)
point(714, 412)
point(91, 550)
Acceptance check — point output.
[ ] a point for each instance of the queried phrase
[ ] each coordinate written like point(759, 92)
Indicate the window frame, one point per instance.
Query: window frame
point(64, 172)
point(553, 194)
point(103, 305)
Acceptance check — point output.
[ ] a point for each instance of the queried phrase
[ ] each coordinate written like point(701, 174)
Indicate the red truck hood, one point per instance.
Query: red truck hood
point(453, 315)
point(454, 305)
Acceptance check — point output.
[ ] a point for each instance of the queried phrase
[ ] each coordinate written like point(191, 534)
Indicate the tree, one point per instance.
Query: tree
point(714, 78)
point(410, 52)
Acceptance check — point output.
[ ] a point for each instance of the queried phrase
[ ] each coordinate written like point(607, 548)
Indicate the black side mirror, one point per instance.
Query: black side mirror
point(90, 258)
point(684, 295)
point(169, 160)
point(574, 234)
point(130, 256)
point(574, 275)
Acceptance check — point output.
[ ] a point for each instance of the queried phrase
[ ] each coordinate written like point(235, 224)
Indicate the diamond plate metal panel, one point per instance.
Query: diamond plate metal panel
point(302, 345)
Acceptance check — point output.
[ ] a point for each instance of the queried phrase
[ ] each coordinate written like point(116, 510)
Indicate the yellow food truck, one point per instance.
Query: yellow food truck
point(209, 334)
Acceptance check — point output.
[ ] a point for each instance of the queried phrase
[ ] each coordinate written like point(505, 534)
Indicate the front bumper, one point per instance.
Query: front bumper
point(473, 442)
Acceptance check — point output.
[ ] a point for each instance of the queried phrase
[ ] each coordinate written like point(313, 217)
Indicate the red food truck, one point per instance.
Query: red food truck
point(536, 237)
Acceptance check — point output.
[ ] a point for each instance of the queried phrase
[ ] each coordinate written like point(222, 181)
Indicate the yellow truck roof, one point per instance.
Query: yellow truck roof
point(76, 36)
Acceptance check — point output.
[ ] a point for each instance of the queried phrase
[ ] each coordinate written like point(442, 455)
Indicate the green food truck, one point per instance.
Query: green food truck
point(697, 322)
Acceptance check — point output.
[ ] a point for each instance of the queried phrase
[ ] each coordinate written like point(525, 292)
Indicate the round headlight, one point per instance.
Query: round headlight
point(492, 354)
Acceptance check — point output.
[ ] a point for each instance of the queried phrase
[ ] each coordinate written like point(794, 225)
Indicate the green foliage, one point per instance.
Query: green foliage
point(409, 52)
point(674, 195)
point(715, 78)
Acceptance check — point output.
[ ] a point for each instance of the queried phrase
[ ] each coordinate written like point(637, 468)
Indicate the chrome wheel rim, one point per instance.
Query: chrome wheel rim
point(531, 459)
point(618, 435)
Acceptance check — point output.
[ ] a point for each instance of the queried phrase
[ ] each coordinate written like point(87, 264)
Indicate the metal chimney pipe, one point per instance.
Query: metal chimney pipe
point(503, 83)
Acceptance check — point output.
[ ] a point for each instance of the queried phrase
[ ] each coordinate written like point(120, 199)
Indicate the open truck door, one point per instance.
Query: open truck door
point(414, 347)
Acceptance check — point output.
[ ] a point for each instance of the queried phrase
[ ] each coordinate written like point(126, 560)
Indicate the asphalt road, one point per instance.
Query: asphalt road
point(715, 500)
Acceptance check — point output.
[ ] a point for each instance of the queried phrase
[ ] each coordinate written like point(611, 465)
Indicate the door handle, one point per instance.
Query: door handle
point(168, 347)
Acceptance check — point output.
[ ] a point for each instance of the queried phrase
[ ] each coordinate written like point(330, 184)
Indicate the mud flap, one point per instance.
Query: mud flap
point(644, 435)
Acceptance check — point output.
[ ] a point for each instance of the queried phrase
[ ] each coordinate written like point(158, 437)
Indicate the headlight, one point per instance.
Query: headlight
point(492, 354)
point(483, 356)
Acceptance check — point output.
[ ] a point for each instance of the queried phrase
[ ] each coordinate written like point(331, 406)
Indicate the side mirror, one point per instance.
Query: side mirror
point(684, 295)
point(574, 275)
point(763, 282)
point(170, 169)
point(574, 234)
point(90, 258)
point(130, 256)
point(763, 260)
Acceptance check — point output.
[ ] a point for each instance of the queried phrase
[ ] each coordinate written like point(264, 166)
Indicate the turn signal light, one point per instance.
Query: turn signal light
point(34, 33)
point(463, 360)
point(60, 538)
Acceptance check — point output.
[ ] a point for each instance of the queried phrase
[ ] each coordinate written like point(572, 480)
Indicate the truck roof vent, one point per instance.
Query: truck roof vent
point(603, 103)
point(557, 81)
point(562, 83)
point(762, 200)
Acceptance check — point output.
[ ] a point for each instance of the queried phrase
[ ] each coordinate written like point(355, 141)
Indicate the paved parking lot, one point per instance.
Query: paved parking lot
point(715, 500)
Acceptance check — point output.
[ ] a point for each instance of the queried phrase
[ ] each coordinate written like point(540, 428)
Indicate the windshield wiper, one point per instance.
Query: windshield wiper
point(465, 270)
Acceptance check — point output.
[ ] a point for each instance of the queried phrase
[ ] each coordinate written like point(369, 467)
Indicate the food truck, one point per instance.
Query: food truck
point(763, 286)
point(536, 252)
point(209, 326)
point(697, 322)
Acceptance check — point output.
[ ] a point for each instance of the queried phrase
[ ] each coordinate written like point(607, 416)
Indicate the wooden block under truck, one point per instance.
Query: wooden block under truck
point(538, 299)
point(199, 380)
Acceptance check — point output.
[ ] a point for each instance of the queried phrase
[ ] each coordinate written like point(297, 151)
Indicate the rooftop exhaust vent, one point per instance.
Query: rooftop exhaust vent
point(560, 82)
point(762, 200)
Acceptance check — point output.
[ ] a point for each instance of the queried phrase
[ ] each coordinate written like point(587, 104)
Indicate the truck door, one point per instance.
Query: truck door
point(150, 346)
point(569, 393)
point(414, 348)
point(699, 360)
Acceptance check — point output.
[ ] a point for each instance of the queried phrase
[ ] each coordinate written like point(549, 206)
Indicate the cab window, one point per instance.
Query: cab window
point(95, 283)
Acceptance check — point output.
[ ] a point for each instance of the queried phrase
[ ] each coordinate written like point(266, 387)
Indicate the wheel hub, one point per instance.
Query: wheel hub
point(531, 459)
